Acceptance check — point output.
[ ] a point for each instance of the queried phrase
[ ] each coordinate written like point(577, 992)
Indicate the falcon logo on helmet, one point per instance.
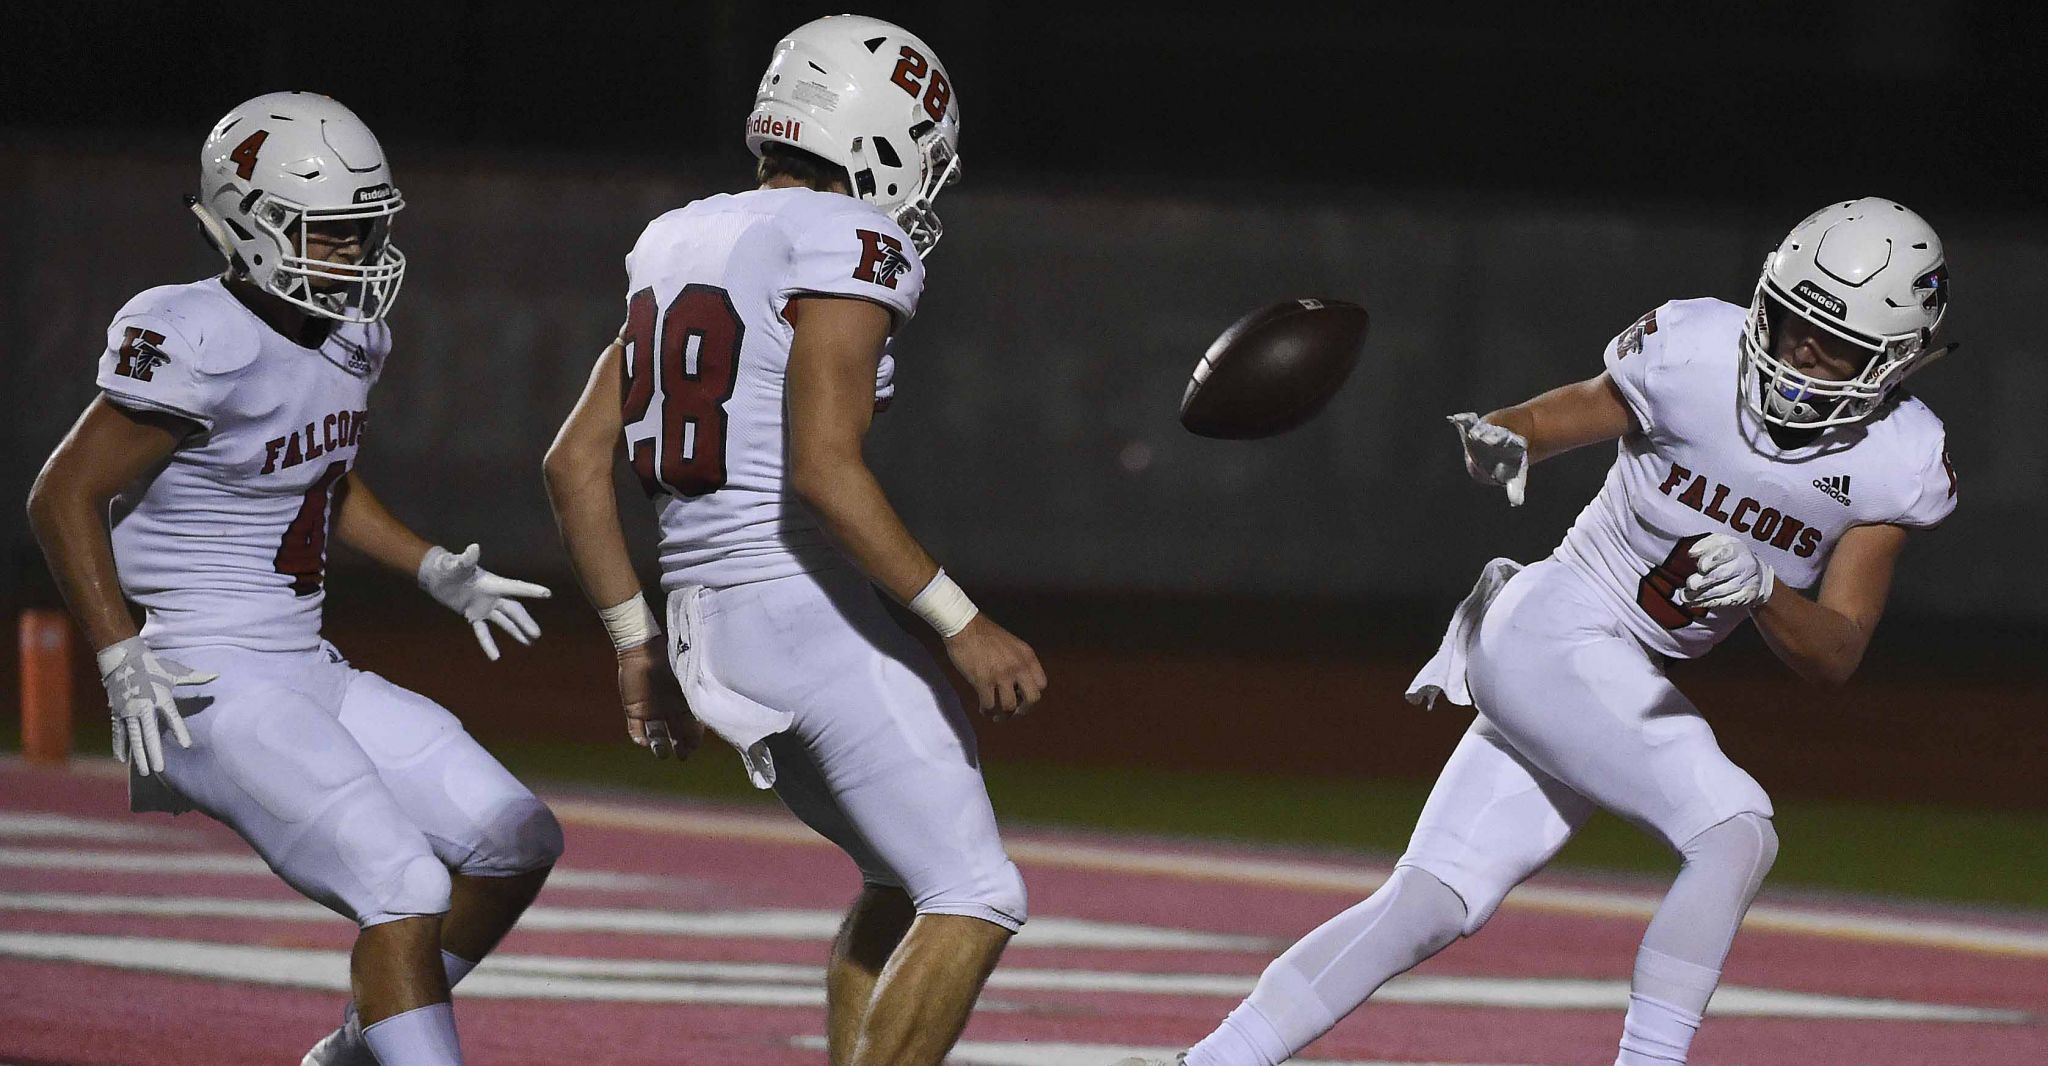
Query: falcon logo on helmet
point(314, 162)
point(868, 96)
point(1869, 272)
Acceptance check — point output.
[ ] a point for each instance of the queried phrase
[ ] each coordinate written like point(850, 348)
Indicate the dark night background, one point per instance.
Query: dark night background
point(1770, 104)
point(1504, 185)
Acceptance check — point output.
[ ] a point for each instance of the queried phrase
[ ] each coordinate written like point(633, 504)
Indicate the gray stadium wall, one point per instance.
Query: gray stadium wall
point(1033, 444)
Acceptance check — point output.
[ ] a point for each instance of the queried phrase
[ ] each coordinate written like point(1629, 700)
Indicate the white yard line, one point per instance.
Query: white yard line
point(811, 925)
point(32, 825)
point(243, 864)
point(774, 984)
point(1036, 1053)
point(1356, 880)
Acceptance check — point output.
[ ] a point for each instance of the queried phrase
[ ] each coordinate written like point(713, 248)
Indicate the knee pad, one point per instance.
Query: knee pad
point(1432, 912)
point(1745, 843)
point(994, 896)
point(416, 886)
point(516, 836)
point(1477, 893)
point(362, 858)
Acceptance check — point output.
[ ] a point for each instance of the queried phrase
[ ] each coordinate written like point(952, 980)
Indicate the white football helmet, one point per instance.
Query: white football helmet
point(1868, 271)
point(869, 96)
point(284, 160)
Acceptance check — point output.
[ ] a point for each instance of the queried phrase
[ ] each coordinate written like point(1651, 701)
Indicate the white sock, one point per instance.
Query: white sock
point(1246, 1038)
point(1680, 960)
point(1655, 1033)
point(456, 967)
point(423, 1036)
point(1336, 967)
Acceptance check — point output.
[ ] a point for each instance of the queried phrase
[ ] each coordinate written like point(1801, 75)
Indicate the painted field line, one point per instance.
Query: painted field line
point(1039, 1053)
point(657, 981)
point(236, 864)
point(811, 925)
point(1354, 880)
point(26, 824)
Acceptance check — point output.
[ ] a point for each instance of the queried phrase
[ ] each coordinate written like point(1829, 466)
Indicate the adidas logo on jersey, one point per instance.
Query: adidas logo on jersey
point(1836, 486)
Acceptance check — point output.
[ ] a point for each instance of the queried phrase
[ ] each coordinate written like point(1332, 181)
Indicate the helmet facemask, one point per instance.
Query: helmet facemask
point(941, 168)
point(1784, 396)
point(364, 291)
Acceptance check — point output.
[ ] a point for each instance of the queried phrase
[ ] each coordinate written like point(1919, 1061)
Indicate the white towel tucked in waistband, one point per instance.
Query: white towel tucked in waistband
point(743, 722)
point(1444, 674)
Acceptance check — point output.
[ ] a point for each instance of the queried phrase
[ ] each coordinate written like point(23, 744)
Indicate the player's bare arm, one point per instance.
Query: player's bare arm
point(831, 405)
point(109, 449)
point(578, 471)
point(1500, 448)
point(1567, 417)
point(1823, 639)
point(362, 522)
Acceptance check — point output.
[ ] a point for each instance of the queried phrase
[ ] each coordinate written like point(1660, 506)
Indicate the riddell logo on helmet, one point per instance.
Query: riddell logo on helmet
point(371, 193)
point(770, 126)
point(1821, 298)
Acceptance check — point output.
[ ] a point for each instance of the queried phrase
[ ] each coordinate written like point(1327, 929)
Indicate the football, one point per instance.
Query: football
point(1273, 369)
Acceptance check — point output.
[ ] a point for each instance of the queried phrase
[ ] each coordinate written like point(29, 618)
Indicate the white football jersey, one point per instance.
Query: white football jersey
point(707, 347)
point(227, 543)
point(1699, 461)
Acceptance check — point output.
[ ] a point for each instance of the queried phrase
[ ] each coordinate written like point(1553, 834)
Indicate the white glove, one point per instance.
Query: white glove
point(1729, 575)
point(1494, 455)
point(479, 595)
point(139, 686)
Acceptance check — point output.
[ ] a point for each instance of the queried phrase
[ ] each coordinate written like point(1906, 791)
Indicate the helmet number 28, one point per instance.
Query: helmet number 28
point(937, 92)
point(697, 346)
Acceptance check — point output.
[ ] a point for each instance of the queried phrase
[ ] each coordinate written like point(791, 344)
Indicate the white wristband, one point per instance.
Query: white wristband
point(631, 623)
point(943, 606)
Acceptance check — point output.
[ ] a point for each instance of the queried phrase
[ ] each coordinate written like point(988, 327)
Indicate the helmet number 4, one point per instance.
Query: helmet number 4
point(937, 92)
point(697, 347)
point(244, 155)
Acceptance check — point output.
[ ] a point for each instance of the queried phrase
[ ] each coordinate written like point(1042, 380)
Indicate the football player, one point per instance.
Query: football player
point(224, 444)
point(753, 357)
point(1760, 454)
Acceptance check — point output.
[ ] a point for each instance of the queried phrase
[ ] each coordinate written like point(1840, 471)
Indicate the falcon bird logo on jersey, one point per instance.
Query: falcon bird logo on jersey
point(881, 259)
point(140, 355)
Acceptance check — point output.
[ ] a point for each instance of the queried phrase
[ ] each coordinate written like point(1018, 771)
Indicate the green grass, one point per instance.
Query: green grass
point(1929, 853)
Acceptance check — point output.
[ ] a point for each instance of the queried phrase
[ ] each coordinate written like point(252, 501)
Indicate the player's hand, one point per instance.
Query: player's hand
point(657, 716)
point(1729, 575)
point(1003, 670)
point(139, 692)
point(480, 596)
point(1494, 455)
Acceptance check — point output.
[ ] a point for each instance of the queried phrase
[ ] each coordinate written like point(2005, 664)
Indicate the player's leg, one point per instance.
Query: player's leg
point(879, 727)
point(499, 841)
point(1491, 821)
point(874, 926)
point(270, 760)
point(909, 962)
point(879, 917)
point(1633, 744)
point(496, 836)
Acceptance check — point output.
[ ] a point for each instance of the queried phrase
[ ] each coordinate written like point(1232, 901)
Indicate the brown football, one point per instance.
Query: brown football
point(1273, 369)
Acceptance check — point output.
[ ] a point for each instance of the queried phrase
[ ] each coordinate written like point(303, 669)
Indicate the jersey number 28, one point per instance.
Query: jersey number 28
point(697, 344)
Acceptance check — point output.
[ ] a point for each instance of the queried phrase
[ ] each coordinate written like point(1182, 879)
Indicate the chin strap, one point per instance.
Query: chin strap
point(1929, 359)
point(216, 234)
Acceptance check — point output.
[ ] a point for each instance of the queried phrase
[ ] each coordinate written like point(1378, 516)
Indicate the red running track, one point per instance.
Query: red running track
point(682, 933)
